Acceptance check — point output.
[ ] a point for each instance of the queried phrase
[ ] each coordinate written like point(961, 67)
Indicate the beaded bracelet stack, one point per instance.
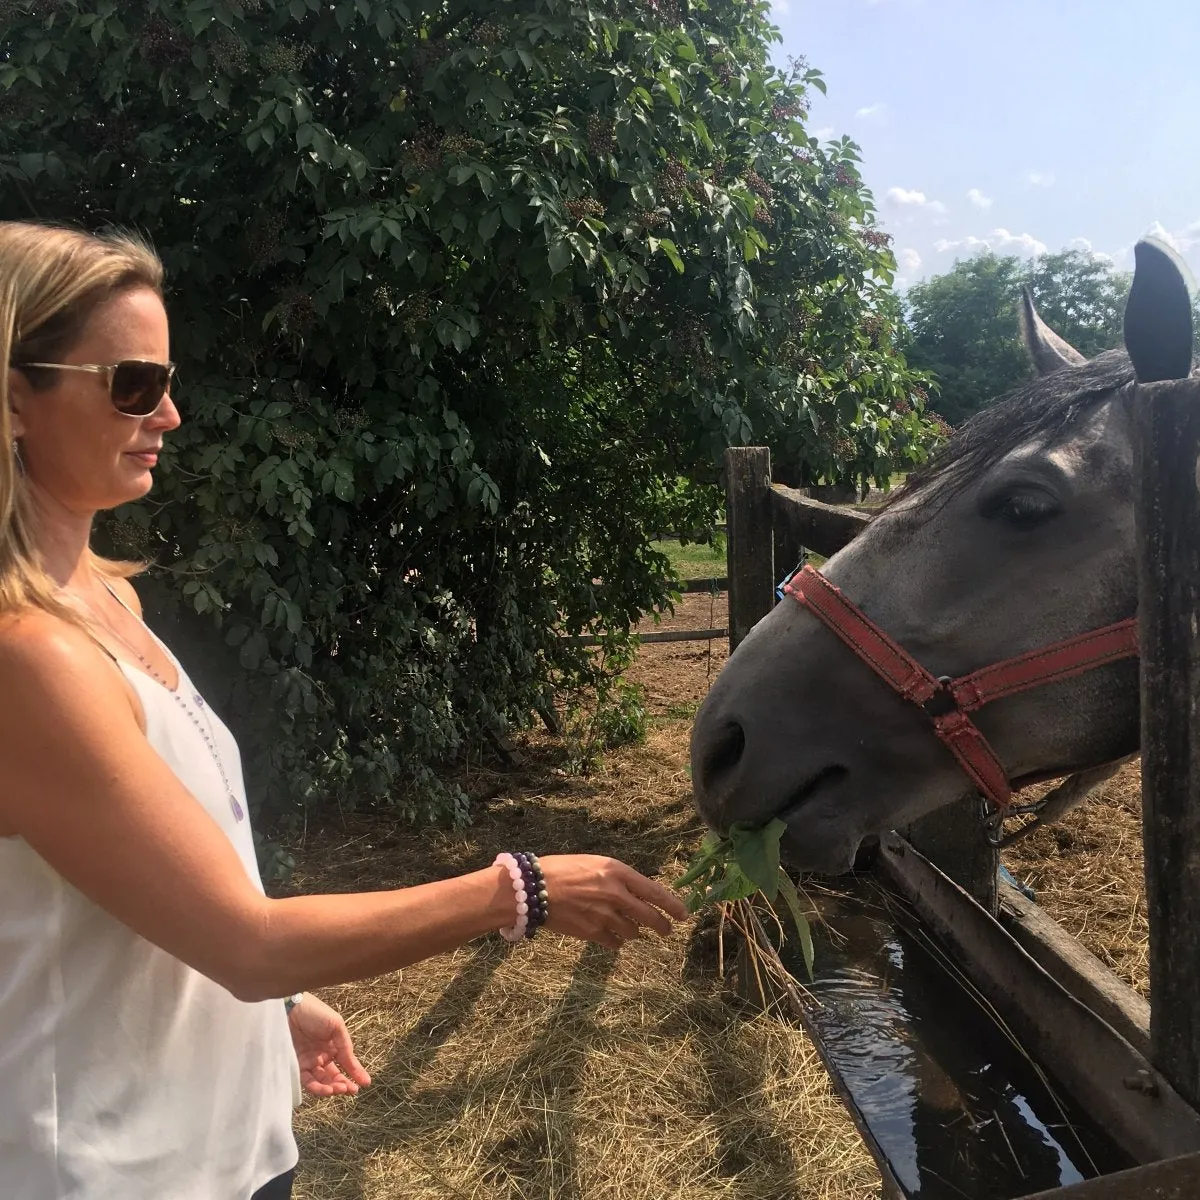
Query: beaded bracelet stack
point(529, 889)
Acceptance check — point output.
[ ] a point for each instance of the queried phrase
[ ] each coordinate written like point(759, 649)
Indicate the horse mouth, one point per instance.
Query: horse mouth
point(796, 801)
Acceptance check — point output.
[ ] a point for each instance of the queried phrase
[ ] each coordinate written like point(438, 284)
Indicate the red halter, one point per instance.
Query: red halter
point(948, 701)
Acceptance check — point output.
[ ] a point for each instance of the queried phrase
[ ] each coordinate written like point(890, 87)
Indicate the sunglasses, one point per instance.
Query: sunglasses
point(135, 387)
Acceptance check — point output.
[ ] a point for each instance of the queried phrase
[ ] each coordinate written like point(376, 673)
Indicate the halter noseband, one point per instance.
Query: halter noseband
point(948, 702)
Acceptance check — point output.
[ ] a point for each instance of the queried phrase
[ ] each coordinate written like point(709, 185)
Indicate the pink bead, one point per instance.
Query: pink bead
point(519, 886)
point(522, 908)
point(514, 873)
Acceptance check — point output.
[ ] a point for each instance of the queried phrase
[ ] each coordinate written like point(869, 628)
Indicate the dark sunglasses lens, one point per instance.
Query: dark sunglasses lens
point(138, 387)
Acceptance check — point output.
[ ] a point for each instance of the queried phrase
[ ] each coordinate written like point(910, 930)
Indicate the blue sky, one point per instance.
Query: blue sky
point(1017, 124)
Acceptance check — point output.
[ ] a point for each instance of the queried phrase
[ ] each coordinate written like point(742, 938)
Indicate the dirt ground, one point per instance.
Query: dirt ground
point(555, 1071)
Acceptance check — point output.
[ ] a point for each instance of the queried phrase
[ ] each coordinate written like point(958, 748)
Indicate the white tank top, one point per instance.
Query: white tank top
point(125, 1074)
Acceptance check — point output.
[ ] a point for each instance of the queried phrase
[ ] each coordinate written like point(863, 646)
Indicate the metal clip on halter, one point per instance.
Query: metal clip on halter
point(994, 818)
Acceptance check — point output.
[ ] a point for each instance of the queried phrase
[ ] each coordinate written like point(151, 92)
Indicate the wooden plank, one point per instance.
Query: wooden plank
point(669, 635)
point(692, 586)
point(823, 528)
point(1167, 515)
point(1173, 1179)
point(749, 548)
point(1135, 1104)
point(1077, 969)
point(953, 838)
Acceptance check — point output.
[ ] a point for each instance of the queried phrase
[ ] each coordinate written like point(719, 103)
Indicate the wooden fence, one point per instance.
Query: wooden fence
point(1135, 1068)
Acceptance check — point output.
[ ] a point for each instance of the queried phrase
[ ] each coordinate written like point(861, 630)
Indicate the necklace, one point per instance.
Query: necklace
point(206, 730)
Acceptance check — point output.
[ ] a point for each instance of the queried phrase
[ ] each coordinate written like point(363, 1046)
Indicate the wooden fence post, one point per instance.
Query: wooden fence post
point(751, 560)
point(953, 839)
point(1166, 418)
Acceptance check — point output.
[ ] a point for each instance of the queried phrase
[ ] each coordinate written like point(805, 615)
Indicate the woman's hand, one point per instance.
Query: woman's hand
point(328, 1066)
point(602, 900)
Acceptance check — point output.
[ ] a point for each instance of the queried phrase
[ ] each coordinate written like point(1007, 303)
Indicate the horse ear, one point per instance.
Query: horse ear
point(1158, 314)
point(1047, 350)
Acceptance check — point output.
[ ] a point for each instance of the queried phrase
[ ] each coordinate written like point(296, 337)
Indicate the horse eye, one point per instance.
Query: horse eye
point(1022, 510)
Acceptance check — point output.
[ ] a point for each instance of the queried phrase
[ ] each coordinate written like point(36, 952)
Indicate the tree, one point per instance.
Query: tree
point(965, 329)
point(468, 298)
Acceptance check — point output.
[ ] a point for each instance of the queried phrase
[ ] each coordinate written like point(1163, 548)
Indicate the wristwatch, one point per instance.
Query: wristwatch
point(292, 1001)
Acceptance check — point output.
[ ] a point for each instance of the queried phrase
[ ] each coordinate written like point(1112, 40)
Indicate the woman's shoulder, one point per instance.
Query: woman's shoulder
point(35, 644)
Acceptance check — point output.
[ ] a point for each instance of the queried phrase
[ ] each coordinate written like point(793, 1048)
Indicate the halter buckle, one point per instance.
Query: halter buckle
point(942, 702)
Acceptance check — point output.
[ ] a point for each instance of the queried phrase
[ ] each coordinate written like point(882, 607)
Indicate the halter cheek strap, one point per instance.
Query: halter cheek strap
point(949, 702)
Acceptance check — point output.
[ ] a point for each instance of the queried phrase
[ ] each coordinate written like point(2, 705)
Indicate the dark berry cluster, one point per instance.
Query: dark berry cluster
point(601, 136)
point(284, 58)
point(229, 52)
point(423, 151)
point(262, 238)
point(163, 45)
point(460, 144)
point(650, 218)
point(583, 207)
point(299, 313)
point(877, 239)
point(844, 178)
point(758, 185)
point(487, 33)
point(672, 180)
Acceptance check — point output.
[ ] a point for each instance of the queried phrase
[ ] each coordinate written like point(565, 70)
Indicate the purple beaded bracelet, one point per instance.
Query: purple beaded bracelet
point(529, 890)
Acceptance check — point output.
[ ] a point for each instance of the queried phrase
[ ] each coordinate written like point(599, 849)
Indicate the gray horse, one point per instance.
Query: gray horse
point(1018, 535)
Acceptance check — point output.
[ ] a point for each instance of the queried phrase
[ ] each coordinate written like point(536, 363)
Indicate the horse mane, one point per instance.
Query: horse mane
point(1038, 411)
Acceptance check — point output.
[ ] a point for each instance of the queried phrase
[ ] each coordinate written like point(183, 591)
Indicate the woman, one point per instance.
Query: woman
point(146, 1049)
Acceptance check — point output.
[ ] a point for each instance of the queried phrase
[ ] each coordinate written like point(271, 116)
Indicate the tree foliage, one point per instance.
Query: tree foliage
point(467, 298)
point(965, 326)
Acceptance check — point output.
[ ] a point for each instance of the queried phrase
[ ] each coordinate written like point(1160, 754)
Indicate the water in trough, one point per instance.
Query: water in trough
point(950, 1103)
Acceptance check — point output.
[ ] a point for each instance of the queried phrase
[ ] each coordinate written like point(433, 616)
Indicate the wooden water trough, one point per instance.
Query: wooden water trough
point(1132, 1067)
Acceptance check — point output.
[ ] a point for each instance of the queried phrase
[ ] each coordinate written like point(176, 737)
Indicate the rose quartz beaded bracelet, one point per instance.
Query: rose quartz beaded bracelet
point(529, 891)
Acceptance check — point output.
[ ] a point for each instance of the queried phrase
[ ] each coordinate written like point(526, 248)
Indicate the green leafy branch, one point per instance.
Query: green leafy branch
point(733, 870)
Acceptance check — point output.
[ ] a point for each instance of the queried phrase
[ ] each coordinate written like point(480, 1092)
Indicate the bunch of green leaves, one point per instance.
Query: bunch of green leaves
point(731, 870)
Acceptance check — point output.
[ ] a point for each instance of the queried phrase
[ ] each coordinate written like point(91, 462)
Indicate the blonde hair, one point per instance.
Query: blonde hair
point(51, 280)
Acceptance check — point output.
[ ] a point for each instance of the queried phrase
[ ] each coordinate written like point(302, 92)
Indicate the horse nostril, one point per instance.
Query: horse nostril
point(723, 755)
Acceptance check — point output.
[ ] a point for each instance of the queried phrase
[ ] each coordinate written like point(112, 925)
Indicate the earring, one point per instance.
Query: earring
point(17, 457)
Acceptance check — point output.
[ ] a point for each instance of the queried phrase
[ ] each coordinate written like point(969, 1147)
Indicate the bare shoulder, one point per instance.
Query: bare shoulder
point(43, 656)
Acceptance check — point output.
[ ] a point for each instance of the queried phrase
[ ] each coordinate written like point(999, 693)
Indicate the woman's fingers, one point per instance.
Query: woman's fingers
point(652, 892)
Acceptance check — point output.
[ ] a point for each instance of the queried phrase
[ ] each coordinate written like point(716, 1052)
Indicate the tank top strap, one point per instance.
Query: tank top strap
point(157, 640)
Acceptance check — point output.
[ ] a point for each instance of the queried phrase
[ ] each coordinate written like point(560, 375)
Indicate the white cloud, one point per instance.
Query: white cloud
point(1039, 178)
point(910, 198)
point(1084, 245)
point(908, 259)
point(999, 240)
point(824, 133)
point(1182, 240)
point(978, 199)
point(872, 110)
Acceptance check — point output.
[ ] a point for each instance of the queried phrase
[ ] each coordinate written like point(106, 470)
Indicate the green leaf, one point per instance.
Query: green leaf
point(756, 851)
point(560, 255)
point(803, 930)
point(669, 248)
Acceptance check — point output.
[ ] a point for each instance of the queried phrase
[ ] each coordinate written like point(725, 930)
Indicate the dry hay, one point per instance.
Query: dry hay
point(1087, 873)
point(559, 1070)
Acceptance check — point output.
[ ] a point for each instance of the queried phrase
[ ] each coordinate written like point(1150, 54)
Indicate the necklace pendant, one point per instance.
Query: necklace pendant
point(238, 814)
point(198, 699)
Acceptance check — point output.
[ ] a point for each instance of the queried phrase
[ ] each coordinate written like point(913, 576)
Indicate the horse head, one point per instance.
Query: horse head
point(1017, 536)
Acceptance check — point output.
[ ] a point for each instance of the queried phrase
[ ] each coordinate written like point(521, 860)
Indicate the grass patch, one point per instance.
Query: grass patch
point(695, 561)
